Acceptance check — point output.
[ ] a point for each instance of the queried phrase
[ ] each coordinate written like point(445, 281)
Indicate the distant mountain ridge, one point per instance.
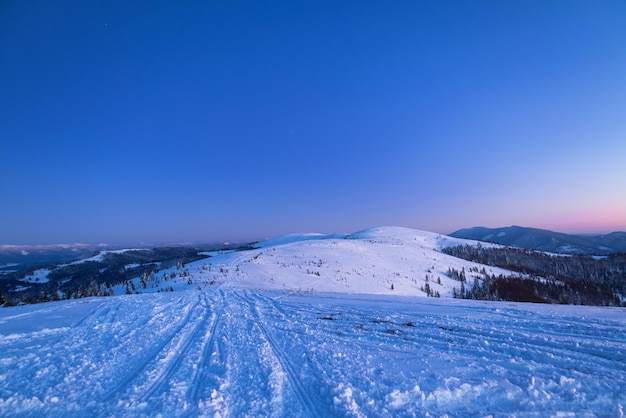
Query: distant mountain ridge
point(15, 257)
point(379, 260)
point(549, 241)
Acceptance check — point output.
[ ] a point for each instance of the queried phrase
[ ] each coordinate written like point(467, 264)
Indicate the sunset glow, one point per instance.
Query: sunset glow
point(156, 122)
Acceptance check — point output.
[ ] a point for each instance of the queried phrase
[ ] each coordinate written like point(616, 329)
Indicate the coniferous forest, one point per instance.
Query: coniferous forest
point(539, 276)
point(543, 277)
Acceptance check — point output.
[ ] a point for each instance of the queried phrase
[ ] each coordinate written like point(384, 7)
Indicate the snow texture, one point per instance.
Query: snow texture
point(38, 276)
point(251, 345)
point(268, 353)
point(385, 260)
point(99, 257)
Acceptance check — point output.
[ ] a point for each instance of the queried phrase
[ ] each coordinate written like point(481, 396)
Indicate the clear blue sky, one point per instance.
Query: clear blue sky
point(128, 121)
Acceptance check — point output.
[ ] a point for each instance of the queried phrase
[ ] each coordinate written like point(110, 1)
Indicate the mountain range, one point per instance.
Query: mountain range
point(390, 260)
point(383, 260)
point(16, 257)
point(545, 240)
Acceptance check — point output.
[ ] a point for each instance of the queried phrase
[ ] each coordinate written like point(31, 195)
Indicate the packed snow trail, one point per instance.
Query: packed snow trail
point(233, 353)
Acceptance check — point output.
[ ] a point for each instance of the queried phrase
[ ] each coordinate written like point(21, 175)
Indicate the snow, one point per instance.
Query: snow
point(131, 266)
point(310, 327)
point(8, 268)
point(98, 257)
point(384, 260)
point(8, 265)
point(288, 239)
point(216, 253)
point(567, 249)
point(227, 352)
point(38, 276)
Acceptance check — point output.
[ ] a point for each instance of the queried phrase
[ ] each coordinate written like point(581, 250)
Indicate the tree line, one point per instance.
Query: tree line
point(543, 277)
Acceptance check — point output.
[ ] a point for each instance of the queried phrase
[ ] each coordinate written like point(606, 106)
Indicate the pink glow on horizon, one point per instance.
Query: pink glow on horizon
point(596, 220)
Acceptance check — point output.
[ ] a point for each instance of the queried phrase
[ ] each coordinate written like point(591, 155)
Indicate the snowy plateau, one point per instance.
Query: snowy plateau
point(312, 326)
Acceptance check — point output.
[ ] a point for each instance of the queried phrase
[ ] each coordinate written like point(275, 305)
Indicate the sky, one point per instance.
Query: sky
point(201, 121)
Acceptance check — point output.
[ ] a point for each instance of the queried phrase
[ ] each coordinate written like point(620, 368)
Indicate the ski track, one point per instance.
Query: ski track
point(310, 406)
point(233, 353)
point(207, 365)
point(153, 355)
point(177, 354)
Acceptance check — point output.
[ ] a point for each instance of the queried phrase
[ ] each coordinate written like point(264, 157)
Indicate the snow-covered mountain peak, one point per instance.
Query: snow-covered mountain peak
point(395, 235)
point(398, 235)
point(381, 260)
point(292, 238)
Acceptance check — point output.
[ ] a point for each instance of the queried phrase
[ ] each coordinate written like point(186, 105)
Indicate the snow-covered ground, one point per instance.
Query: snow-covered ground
point(98, 257)
point(385, 260)
point(40, 275)
point(227, 352)
point(259, 333)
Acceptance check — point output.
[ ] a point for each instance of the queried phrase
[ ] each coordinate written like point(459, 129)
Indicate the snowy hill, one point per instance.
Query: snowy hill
point(384, 260)
point(252, 333)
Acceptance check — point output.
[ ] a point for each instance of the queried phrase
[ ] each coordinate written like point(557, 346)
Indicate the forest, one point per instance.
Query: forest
point(95, 275)
point(542, 277)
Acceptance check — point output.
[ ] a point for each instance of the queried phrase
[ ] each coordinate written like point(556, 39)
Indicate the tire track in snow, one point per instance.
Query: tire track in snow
point(551, 345)
point(283, 360)
point(206, 367)
point(135, 371)
point(179, 353)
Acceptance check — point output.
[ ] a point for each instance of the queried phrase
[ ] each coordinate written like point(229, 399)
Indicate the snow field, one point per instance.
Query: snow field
point(386, 260)
point(38, 276)
point(251, 334)
point(232, 353)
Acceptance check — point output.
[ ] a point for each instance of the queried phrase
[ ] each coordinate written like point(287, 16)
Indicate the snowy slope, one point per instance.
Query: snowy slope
point(237, 339)
point(237, 353)
point(385, 260)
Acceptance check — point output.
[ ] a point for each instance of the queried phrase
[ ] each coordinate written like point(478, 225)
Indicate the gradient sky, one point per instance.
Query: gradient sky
point(158, 121)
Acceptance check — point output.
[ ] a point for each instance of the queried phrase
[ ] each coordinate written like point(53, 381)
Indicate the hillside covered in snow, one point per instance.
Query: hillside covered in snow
point(310, 326)
point(385, 260)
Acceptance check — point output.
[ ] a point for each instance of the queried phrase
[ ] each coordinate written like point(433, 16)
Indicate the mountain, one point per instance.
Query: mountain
point(549, 241)
point(305, 326)
point(408, 262)
point(16, 257)
point(383, 260)
point(53, 272)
